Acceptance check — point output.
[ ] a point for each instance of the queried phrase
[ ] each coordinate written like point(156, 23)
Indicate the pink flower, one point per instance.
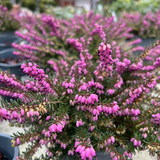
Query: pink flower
point(18, 141)
point(110, 91)
point(59, 127)
point(53, 128)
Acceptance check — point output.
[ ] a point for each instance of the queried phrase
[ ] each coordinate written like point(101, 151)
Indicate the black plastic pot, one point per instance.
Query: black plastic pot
point(102, 156)
point(6, 148)
point(7, 38)
point(13, 68)
point(145, 41)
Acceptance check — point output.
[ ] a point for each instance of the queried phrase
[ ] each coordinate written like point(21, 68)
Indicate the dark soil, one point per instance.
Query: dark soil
point(2, 157)
point(10, 60)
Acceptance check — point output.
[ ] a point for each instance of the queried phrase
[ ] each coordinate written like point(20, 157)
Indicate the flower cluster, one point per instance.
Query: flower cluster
point(48, 38)
point(147, 25)
point(84, 150)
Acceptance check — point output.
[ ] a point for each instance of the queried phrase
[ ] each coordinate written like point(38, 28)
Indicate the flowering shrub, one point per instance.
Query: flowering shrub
point(52, 38)
point(87, 106)
point(147, 25)
point(7, 20)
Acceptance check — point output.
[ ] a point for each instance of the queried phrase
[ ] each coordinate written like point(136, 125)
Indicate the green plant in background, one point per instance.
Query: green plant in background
point(129, 6)
point(42, 8)
point(8, 21)
point(46, 4)
point(6, 3)
point(43, 4)
point(30, 4)
point(66, 12)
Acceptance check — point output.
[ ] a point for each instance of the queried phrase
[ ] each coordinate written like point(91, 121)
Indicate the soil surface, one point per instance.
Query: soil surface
point(2, 157)
point(10, 60)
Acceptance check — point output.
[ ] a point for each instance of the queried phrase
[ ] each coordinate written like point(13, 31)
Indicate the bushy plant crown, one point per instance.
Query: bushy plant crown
point(87, 106)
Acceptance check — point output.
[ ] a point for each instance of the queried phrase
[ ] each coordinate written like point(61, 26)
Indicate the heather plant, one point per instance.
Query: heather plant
point(147, 25)
point(7, 20)
point(87, 106)
point(49, 38)
point(42, 39)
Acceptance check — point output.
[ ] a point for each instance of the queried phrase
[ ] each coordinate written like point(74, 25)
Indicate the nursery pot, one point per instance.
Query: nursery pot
point(6, 40)
point(6, 147)
point(144, 43)
point(13, 68)
point(102, 156)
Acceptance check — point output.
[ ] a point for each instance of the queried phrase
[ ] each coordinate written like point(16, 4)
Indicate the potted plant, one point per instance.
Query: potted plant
point(87, 106)
point(6, 150)
point(11, 63)
point(7, 27)
point(145, 26)
point(55, 38)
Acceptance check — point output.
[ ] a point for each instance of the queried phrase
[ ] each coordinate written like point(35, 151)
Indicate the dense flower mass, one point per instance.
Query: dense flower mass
point(87, 105)
point(49, 38)
point(87, 91)
point(147, 25)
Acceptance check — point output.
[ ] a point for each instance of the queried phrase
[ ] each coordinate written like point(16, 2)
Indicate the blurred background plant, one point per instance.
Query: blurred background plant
point(65, 12)
point(6, 3)
point(7, 20)
point(145, 26)
point(43, 4)
point(50, 38)
point(30, 4)
point(121, 6)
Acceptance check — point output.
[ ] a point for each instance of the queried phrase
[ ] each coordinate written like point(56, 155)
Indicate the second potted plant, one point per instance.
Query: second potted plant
point(8, 26)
